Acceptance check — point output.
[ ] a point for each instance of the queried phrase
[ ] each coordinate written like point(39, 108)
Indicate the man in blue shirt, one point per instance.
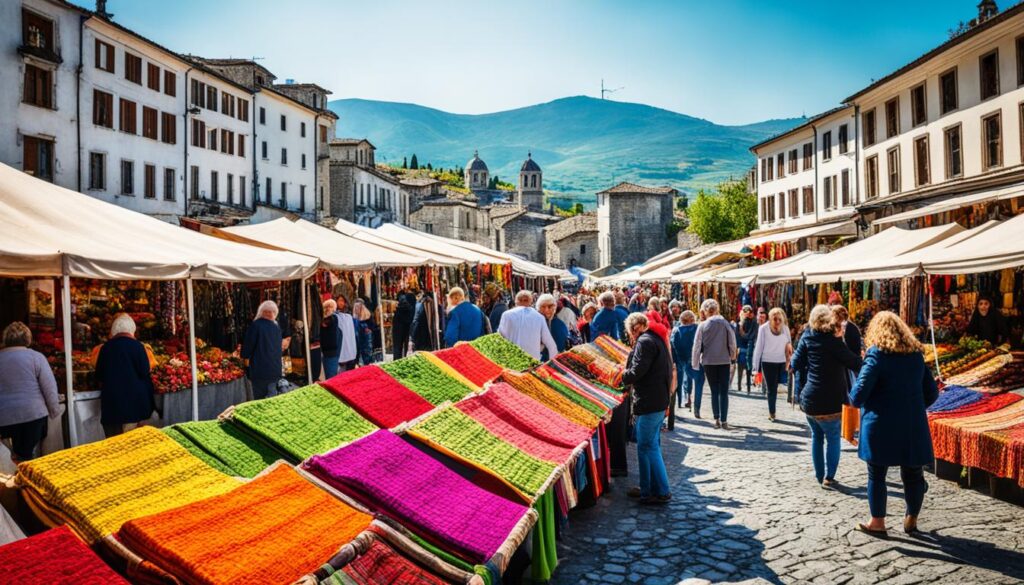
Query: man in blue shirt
point(465, 320)
point(621, 311)
point(607, 321)
point(262, 346)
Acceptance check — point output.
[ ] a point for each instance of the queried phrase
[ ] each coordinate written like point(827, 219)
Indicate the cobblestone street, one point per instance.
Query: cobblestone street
point(746, 507)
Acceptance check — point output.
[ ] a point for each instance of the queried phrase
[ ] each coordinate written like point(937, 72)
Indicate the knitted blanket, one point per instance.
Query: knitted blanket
point(954, 397)
point(510, 430)
point(243, 454)
point(273, 529)
point(97, 487)
point(377, 396)
point(534, 388)
point(398, 480)
point(303, 422)
point(504, 353)
point(55, 557)
point(469, 362)
point(380, 565)
point(614, 349)
point(552, 378)
point(985, 405)
point(530, 416)
point(451, 431)
point(1001, 452)
point(593, 390)
point(956, 439)
point(426, 379)
point(197, 451)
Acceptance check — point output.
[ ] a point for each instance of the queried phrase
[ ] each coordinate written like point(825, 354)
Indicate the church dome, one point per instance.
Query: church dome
point(476, 163)
point(529, 165)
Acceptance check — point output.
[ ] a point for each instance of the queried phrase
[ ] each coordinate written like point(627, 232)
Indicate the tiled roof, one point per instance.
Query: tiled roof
point(585, 222)
point(352, 142)
point(303, 86)
point(807, 122)
point(633, 188)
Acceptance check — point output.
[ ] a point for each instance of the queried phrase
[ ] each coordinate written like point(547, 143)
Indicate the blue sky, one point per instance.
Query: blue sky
point(730, 61)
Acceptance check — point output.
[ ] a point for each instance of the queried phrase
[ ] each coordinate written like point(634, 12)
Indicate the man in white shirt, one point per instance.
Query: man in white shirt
point(527, 328)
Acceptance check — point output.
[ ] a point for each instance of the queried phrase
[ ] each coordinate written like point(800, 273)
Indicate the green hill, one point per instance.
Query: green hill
point(583, 144)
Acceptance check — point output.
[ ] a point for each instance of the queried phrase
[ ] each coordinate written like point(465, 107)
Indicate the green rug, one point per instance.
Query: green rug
point(196, 450)
point(236, 449)
point(504, 353)
point(426, 379)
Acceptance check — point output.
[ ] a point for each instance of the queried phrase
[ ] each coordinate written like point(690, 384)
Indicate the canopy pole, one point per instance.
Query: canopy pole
point(380, 316)
point(931, 326)
point(305, 332)
point(437, 310)
point(192, 346)
point(69, 374)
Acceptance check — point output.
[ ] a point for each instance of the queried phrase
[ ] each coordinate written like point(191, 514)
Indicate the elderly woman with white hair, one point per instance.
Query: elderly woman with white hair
point(548, 306)
point(122, 373)
point(262, 347)
point(714, 350)
point(28, 393)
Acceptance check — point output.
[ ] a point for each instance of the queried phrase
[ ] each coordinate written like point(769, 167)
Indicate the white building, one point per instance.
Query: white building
point(219, 139)
point(361, 192)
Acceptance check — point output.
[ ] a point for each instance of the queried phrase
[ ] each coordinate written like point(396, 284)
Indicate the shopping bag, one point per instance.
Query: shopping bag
point(850, 424)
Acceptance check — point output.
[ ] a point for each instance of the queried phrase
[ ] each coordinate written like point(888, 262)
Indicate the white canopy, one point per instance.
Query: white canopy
point(335, 249)
point(749, 274)
point(706, 274)
point(842, 228)
point(994, 248)
point(46, 230)
point(954, 203)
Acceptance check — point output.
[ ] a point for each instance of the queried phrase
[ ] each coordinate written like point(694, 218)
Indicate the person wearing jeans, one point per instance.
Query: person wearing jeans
point(772, 351)
point(825, 431)
point(894, 389)
point(682, 350)
point(714, 350)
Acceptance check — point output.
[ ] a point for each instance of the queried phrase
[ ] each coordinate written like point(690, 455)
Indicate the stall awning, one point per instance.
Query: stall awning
point(749, 274)
point(954, 203)
point(706, 274)
point(841, 228)
point(46, 230)
point(996, 248)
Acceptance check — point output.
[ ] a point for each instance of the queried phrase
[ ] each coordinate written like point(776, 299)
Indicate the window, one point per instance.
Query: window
point(829, 192)
point(127, 177)
point(241, 191)
point(988, 65)
point(37, 31)
point(302, 198)
point(263, 116)
point(243, 110)
point(226, 103)
point(771, 168)
point(892, 117)
point(284, 194)
point(149, 122)
point(263, 149)
point(128, 117)
point(168, 184)
point(782, 205)
point(97, 170)
point(844, 184)
point(102, 109)
point(428, 228)
point(794, 202)
point(133, 68)
point(170, 83)
point(241, 145)
point(893, 160)
point(38, 157)
point(198, 93)
point(214, 186)
point(38, 87)
point(583, 249)
point(194, 182)
point(808, 156)
point(323, 133)
point(808, 199)
point(764, 170)
point(231, 188)
point(268, 194)
point(954, 152)
point(104, 56)
point(922, 170)
point(826, 145)
point(871, 176)
point(284, 156)
point(168, 128)
point(844, 139)
point(198, 133)
point(153, 76)
point(149, 181)
point(948, 92)
point(793, 169)
point(1020, 60)
point(781, 163)
point(302, 129)
point(870, 127)
point(224, 141)
point(992, 141)
point(213, 139)
point(284, 123)
point(304, 164)
point(211, 98)
point(918, 106)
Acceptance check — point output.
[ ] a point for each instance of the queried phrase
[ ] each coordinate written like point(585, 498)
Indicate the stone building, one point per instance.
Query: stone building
point(573, 240)
point(631, 223)
point(477, 175)
point(359, 191)
point(530, 190)
point(522, 233)
point(420, 188)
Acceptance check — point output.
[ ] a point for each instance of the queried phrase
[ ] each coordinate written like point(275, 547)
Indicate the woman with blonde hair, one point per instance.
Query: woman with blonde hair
point(823, 359)
point(772, 351)
point(894, 389)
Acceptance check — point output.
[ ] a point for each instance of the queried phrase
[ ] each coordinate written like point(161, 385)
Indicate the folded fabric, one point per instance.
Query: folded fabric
point(54, 557)
point(303, 422)
point(536, 389)
point(426, 379)
point(273, 529)
point(381, 565)
point(196, 450)
point(510, 430)
point(954, 397)
point(450, 431)
point(469, 362)
point(550, 377)
point(531, 416)
point(396, 479)
point(99, 486)
point(243, 454)
point(377, 396)
point(504, 353)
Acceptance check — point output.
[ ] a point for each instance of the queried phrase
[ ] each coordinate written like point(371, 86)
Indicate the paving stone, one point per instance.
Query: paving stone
point(613, 568)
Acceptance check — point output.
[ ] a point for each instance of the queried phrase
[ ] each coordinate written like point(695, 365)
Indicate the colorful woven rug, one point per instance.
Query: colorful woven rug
point(398, 480)
point(957, 439)
point(1002, 452)
point(469, 362)
point(530, 416)
point(504, 353)
point(196, 450)
point(243, 454)
point(274, 529)
point(97, 487)
point(954, 397)
point(452, 432)
point(54, 557)
point(616, 351)
point(534, 388)
point(303, 422)
point(382, 565)
point(552, 378)
point(426, 379)
point(985, 405)
point(373, 393)
point(506, 428)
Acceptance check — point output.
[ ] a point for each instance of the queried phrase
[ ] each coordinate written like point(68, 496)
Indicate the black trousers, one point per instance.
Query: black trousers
point(399, 340)
point(618, 435)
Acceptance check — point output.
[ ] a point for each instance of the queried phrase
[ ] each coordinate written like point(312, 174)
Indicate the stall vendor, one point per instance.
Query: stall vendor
point(122, 371)
point(988, 324)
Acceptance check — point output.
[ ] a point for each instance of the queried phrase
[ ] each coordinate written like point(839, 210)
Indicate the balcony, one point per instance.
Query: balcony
point(40, 53)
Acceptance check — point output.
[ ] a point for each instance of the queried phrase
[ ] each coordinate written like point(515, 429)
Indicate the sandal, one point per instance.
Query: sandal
point(634, 492)
point(883, 534)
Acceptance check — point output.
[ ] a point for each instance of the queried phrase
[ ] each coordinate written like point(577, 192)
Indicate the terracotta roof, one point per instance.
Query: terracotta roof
point(634, 189)
point(971, 33)
point(585, 222)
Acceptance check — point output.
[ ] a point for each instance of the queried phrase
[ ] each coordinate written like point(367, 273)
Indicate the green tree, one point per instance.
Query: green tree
point(728, 214)
point(405, 162)
point(414, 164)
point(429, 168)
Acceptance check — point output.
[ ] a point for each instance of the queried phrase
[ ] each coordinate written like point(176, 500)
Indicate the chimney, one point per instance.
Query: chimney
point(101, 10)
point(987, 10)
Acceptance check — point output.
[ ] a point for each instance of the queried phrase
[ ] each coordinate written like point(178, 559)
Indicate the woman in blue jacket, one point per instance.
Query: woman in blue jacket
point(691, 381)
point(894, 389)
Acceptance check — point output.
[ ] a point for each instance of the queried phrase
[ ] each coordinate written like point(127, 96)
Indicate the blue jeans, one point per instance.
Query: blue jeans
point(330, 366)
point(826, 461)
point(718, 380)
point(653, 475)
point(693, 385)
point(914, 488)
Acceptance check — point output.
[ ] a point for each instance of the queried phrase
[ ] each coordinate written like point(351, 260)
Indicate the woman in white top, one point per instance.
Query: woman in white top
point(772, 351)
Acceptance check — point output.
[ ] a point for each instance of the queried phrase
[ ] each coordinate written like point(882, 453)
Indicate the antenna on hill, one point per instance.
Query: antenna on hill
point(605, 91)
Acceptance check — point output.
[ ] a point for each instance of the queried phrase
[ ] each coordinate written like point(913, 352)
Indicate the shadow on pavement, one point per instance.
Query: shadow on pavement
point(963, 551)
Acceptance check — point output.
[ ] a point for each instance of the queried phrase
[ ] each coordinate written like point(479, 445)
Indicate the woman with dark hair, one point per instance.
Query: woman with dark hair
point(28, 393)
point(401, 323)
point(330, 339)
point(987, 323)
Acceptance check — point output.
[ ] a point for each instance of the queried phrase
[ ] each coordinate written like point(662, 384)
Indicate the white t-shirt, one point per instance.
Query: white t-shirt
point(770, 348)
point(528, 329)
point(348, 338)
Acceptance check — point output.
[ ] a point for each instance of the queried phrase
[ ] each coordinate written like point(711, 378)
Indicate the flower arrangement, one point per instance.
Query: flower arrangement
point(214, 366)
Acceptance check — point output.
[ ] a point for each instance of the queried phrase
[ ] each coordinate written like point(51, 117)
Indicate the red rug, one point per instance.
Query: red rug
point(377, 396)
point(56, 556)
point(466, 360)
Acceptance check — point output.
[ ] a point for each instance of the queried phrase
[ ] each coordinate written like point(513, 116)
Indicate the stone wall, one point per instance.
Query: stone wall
point(342, 179)
point(637, 227)
point(524, 236)
point(581, 247)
